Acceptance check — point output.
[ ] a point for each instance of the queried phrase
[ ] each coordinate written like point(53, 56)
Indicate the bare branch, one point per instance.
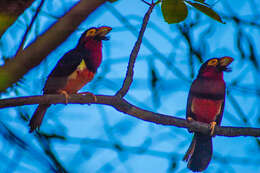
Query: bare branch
point(146, 2)
point(130, 68)
point(123, 106)
point(29, 27)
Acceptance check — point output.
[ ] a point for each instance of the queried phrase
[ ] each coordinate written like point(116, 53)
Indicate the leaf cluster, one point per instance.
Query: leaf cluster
point(175, 11)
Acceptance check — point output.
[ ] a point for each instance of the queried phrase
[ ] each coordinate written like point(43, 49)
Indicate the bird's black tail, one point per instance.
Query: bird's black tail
point(199, 153)
point(37, 117)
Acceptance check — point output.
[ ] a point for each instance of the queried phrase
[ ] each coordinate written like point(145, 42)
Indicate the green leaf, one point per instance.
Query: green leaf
point(206, 10)
point(174, 11)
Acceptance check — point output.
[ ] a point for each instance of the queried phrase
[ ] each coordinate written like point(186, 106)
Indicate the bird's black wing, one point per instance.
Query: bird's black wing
point(66, 65)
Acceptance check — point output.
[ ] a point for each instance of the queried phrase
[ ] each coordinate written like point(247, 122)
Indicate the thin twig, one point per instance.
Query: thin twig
point(29, 27)
point(123, 106)
point(146, 150)
point(130, 68)
point(46, 146)
point(146, 2)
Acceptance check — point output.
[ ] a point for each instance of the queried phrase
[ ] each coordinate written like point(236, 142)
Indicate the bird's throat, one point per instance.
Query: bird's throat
point(94, 47)
point(212, 75)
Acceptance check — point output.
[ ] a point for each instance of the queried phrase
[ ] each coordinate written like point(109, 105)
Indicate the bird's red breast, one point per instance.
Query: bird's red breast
point(78, 80)
point(206, 110)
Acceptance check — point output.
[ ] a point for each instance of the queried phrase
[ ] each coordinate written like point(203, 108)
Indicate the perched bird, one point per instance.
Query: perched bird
point(205, 103)
point(74, 70)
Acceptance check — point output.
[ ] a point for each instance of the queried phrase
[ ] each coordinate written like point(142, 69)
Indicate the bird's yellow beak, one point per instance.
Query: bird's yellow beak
point(225, 61)
point(103, 31)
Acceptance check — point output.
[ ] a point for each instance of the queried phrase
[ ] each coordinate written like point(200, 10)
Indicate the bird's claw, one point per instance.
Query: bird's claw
point(63, 92)
point(212, 127)
point(189, 120)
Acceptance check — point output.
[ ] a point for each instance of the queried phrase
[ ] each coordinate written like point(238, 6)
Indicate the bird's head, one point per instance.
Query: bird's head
point(93, 36)
point(214, 67)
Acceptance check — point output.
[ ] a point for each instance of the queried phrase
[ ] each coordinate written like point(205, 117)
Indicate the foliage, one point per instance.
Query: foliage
point(175, 11)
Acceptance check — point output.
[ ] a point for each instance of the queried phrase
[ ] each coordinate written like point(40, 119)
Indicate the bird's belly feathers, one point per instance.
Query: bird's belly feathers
point(205, 109)
point(80, 77)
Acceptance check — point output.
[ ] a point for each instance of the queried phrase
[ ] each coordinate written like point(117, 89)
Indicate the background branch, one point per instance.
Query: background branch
point(29, 27)
point(10, 10)
point(123, 106)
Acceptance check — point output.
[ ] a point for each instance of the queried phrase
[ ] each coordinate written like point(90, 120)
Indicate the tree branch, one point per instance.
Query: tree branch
point(130, 68)
point(20, 49)
point(123, 106)
point(11, 10)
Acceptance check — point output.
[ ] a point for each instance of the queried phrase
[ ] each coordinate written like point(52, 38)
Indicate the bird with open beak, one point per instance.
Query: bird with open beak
point(74, 70)
point(205, 103)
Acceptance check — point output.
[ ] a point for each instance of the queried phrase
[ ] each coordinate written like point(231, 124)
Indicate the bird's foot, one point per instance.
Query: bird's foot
point(189, 120)
point(89, 93)
point(65, 93)
point(212, 128)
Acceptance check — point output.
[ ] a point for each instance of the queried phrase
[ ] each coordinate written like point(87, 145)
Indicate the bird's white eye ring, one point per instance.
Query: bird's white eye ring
point(213, 62)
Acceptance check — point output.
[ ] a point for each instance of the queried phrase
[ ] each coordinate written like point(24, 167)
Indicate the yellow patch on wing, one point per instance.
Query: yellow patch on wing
point(82, 66)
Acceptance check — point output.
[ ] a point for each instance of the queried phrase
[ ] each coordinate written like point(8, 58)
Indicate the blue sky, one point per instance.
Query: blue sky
point(96, 122)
